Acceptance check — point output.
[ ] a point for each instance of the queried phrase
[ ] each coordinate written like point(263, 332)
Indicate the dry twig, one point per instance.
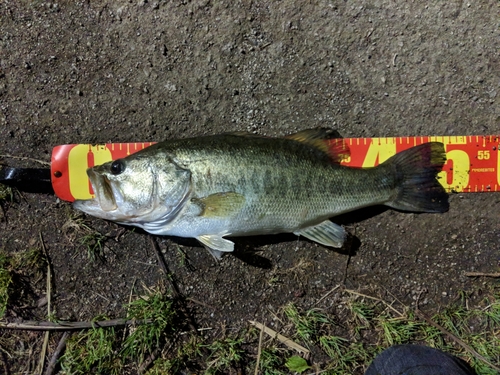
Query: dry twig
point(459, 341)
point(482, 274)
point(326, 295)
point(43, 162)
point(375, 299)
point(4, 362)
point(31, 325)
point(145, 365)
point(259, 352)
point(283, 339)
point(57, 353)
point(163, 265)
point(175, 289)
point(45, 345)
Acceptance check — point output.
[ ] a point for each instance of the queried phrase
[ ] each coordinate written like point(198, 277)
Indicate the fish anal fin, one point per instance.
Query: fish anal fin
point(220, 204)
point(326, 233)
point(216, 245)
point(327, 140)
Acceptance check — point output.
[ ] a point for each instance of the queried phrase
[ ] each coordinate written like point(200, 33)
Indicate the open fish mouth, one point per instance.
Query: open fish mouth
point(103, 191)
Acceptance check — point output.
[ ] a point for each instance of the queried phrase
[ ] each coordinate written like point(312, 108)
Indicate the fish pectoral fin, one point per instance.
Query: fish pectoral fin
point(216, 245)
point(326, 233)
point(220, 204)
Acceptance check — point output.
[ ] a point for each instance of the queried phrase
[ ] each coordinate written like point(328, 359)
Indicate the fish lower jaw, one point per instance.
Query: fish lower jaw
point(88, 206)
point(92, 207)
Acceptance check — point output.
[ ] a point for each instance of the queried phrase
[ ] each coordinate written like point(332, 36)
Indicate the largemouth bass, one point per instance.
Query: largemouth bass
point(228, 185)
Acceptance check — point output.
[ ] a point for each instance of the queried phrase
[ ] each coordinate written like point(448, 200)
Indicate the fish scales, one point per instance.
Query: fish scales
point(281, 179)
point(233, 185)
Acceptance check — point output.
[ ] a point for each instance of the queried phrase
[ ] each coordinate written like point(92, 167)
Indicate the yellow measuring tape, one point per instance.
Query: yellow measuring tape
point(473, 162)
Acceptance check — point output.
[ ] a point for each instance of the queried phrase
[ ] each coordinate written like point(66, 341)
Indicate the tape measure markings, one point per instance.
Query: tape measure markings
point(473, 163)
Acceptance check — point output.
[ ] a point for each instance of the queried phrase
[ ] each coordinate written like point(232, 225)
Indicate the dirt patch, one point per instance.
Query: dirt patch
point(147, 71)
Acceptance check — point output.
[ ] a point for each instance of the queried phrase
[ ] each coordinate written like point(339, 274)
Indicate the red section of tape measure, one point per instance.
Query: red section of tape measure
point(473, 163)
point(70, 162)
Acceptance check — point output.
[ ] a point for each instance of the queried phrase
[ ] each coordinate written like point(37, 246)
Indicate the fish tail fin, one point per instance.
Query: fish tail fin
point(416, 186)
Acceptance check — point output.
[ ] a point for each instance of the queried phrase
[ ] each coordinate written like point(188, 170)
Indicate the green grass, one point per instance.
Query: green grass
point(6, 193)
point(100, 350)
point(347, 351)
point(343, 339)
point(5, 283)
point(308, 325)
point(362, 314)
point(182, 359)
point(91, 351)
point(225, 354)
point(272, 361)
point(94, 242)
point(31, 261)
point(341, 349)
point(143, 339)
point(398, 330)
point(76, 229)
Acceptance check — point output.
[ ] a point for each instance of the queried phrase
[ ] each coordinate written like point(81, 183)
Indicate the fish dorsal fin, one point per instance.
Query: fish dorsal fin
point(327, 140)
point(242, 133)
point(220, 204)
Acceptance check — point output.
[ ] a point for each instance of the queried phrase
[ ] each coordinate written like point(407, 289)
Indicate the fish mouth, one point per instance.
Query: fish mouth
point(103, 191)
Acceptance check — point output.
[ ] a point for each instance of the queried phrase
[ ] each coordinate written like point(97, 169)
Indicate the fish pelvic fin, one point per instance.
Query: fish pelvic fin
point(326, 233)
point(216, 245)
point(416, 186)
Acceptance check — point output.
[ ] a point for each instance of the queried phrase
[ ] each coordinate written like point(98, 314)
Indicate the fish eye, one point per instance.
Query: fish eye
point(117, 167)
